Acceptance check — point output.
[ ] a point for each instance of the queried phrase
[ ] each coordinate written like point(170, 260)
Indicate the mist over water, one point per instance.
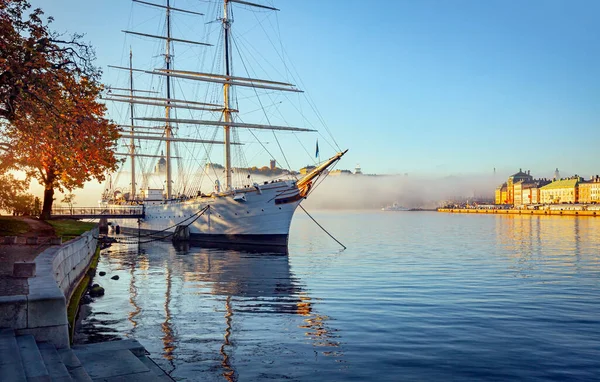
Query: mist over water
point(346, 192)
point(369, 192)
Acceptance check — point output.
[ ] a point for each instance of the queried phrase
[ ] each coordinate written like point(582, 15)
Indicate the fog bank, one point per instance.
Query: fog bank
point(375, 192)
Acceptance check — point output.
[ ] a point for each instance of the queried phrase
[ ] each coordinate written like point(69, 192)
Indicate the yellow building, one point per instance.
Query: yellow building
point(589, 192)
point(505, 193)
point(515, 178)
point(530, 192)
point(534, 192)
point(501, 194)
point(518, 193)
point(338, 172)
point(585, 189)
point(595, 190)
point(306, 170)
point(560, 191)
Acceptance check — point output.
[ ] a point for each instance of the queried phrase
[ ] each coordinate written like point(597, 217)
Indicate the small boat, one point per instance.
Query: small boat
point(395, 207)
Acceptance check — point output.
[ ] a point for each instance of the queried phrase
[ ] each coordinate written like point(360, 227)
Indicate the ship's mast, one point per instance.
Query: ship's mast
point(132, 141)
point(226, 97)
point(226, 79)
point(168, 107)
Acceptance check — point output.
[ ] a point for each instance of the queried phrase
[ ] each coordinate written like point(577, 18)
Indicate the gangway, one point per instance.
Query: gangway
point(123, 212)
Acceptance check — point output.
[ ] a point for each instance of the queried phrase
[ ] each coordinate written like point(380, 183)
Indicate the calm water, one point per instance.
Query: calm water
point(416, 296)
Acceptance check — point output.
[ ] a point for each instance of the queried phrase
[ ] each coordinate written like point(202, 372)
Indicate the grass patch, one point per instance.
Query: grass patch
point(12, 227)
point(69, 229)
point(75, 299)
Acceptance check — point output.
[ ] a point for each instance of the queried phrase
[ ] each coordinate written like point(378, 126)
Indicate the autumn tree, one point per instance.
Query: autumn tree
point(23, 205)
point(10, 189)
point(69, 199)
point(66, 147)
point(31, 57)
point(51, 123)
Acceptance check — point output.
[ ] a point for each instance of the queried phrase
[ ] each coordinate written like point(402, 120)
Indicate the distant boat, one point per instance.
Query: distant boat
point(395, 207)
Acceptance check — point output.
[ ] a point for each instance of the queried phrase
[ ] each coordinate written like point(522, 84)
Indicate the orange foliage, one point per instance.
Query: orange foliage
point(51, 124)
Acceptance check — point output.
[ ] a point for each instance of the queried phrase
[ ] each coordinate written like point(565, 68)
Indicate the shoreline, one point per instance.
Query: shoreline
point(519, 212)
point(36, 325)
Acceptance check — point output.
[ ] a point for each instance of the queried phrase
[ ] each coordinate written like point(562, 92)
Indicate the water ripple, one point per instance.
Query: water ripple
point(416, 296)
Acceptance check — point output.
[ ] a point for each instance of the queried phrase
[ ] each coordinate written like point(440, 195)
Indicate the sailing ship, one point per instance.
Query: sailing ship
point(249, 213)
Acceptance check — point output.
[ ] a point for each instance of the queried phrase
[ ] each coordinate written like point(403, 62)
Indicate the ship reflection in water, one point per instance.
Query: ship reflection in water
point(225, 314)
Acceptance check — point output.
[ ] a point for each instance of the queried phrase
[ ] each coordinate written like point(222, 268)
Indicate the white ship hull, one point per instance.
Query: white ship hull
point(259, 215)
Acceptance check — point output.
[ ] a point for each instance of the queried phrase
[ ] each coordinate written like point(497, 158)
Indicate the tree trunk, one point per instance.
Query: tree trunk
point(48, 199)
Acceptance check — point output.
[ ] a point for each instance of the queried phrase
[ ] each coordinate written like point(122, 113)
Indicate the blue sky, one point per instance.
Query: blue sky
point(430, 86)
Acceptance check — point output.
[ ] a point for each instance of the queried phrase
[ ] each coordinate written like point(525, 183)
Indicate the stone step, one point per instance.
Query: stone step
point(78, 373)
point(116, 361)
point(155, 369)
point(11, 365)
point(56, 368)
point(32, 360)
point(132, 345)
point(111, 364)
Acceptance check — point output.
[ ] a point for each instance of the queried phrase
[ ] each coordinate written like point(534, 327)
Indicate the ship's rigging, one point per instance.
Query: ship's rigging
point(222, 115)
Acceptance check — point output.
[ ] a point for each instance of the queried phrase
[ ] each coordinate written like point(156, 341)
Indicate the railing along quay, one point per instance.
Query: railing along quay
point(99, 212)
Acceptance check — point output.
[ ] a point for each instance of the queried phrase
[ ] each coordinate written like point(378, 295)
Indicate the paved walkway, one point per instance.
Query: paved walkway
point(11, 253)
point(22, 359)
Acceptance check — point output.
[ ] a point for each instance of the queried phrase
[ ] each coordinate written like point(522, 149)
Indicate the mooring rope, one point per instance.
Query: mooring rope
point(175, 225)
point(320, 226)
point(133, 241)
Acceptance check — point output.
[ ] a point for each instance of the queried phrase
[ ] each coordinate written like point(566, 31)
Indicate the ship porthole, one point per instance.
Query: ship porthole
point(279, 207)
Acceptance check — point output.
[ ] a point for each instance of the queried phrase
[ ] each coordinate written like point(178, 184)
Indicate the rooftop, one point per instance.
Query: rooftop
point(521, 175)
point(566, 183)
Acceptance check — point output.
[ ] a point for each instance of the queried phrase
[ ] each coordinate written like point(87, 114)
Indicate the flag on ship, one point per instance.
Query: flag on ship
point(317, 150)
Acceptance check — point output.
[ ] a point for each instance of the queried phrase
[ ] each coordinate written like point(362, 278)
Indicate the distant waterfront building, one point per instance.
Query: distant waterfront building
point(357, 170)
point(589, 191)
point(529, 193)
point(501, 196)
point(518, 192)
point(585, 188)
point(515, 178)
point(338, 172)
point(561, 191)
point(595, 190)
point(520, 189)
point(556, 174)
point(307, 169)
point(272, 164)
